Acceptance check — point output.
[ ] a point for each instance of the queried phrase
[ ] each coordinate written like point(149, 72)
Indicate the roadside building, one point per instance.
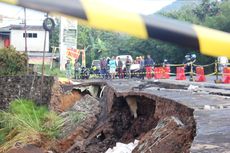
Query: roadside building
point(15, 35)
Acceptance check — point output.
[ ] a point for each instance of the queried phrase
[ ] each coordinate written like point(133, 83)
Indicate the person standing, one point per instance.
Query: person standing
point(103, 65)
point(68, 69)
point(108, 68)
point(127, 66)
point(222, 63)
point(148, 66)
point(77, 69)
point(112, 67)
point(142, 67)
point(119, 68)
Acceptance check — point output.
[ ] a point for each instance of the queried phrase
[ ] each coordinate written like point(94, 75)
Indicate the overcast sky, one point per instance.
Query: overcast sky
point(146, 7)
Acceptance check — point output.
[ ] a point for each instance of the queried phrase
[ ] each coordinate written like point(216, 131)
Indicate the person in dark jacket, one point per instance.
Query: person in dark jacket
point(142, 67)
point(119, 68)
point(127, 66)
point(148, 66)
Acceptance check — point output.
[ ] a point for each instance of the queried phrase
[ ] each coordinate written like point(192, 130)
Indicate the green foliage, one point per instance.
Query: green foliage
point(209, 13)
point(12, 62)
point(25, 122)
point(54, 35)
point(54, 71)
point(206, 9)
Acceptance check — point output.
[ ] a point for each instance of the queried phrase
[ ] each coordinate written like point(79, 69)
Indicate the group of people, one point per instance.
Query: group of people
point(77, 69)
point(110, 68)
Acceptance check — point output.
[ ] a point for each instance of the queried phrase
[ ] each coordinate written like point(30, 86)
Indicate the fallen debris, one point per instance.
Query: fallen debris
point(193, 88)
point(169, 136)
point(123, 148)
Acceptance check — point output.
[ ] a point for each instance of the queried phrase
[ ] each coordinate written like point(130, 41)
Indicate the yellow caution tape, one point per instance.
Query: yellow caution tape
point(177, 65)
point(205, 65)
point(214, 73)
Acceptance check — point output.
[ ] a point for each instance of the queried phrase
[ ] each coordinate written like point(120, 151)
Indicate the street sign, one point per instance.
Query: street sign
point(68, 41)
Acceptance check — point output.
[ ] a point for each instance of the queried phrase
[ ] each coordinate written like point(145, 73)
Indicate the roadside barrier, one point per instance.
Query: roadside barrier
point(164, 73)
point(200, 77)
point(226, 75)
point(180, 75)
point(158, 73)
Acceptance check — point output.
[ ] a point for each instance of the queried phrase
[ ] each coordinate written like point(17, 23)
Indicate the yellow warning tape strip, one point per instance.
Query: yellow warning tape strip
point(102, 14)
point(205, 65)
point(176, 64)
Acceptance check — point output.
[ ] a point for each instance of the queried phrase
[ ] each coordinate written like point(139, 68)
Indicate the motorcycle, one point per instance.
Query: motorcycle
point(85, 73)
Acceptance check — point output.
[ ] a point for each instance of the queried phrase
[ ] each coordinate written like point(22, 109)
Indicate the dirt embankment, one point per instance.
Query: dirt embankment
point(161, 125)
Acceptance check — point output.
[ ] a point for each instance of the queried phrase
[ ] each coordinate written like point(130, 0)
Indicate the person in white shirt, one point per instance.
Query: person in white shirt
point(222, 63)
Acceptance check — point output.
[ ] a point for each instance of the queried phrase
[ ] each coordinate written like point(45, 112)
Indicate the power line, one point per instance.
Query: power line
point(18, 12)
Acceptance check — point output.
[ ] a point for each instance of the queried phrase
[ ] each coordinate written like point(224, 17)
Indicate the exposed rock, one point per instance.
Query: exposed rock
point(27, 87)
point(55, 100)
point(169, 136)
point(75, 134)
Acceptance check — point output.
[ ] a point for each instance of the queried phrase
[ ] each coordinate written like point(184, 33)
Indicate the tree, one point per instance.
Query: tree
point(207, 8)
point(12, 62)
point(102, 43)
point(54, 35)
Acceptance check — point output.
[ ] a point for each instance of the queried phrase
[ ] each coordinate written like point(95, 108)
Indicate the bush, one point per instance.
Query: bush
point(25, 123)
point(12, 62)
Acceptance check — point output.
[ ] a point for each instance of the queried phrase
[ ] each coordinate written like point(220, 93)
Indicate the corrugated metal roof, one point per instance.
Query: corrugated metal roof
point(21, 27)
point(5, 29)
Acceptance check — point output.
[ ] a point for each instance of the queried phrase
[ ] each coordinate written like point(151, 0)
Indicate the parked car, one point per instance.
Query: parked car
point(96, 63)
point(135, 70)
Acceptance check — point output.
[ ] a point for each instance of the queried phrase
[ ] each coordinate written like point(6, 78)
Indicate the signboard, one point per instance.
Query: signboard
point(68, 41)
point(70, 37)
point(72, 53)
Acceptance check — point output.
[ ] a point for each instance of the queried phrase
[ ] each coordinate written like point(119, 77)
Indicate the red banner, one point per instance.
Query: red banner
point(73, 53)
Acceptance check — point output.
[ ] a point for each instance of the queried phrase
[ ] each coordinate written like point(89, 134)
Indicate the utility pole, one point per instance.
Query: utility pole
point(26, 51)
point(43, 61)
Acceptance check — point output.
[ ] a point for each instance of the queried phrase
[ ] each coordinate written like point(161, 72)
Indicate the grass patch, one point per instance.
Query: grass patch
point(25, 122)
point(55, 71)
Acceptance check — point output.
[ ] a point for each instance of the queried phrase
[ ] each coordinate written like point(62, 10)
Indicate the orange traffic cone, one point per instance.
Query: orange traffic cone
point(180, 75)
point(226, 75)
point(200, 77)
point(166, 74)
point(157, 73)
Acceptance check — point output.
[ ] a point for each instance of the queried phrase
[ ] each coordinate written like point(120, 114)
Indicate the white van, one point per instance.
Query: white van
point(123, 59)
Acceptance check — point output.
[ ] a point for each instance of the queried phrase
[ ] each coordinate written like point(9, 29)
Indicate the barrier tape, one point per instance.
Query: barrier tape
point(214, 73)
point(177, 64)
point(205, 65)
point(104, 15)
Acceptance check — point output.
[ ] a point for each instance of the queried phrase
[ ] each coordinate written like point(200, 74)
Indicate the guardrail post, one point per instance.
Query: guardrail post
point(191, 72)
